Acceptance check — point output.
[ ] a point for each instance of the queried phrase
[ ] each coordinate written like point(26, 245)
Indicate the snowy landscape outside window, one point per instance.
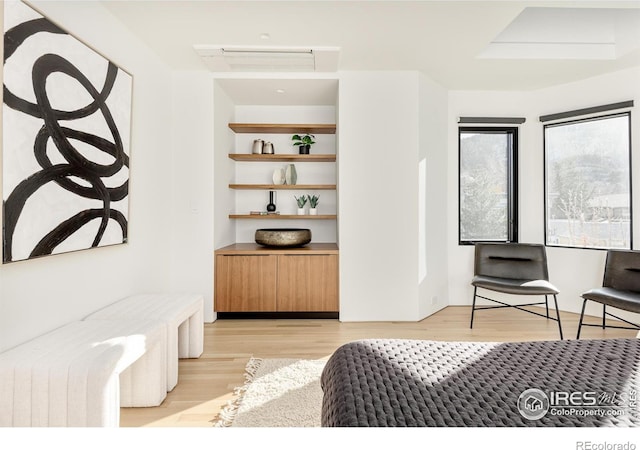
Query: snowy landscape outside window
point(487, 184)
point(588, 183)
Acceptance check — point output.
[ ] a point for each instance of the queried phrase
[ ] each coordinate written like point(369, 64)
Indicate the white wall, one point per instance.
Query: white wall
point(378, 179)
point(432, 166)
point(192, 216)
point(224, 143)
point(39, 295)
point(573, 271)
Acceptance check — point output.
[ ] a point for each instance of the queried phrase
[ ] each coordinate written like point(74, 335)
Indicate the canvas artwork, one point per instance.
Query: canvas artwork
point(65, 141)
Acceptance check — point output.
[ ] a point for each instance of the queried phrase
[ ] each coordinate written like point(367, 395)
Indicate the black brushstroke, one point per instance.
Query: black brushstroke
point(77, 165)
point(40, 148)
point(70, 226)
point(16, 201)
point(13, 38)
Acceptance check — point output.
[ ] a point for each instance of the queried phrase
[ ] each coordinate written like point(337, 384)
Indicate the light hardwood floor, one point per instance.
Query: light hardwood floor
point(207, 383)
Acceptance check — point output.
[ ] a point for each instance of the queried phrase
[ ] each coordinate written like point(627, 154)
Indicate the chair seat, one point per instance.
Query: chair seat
point(626, 300)
point(515, 286)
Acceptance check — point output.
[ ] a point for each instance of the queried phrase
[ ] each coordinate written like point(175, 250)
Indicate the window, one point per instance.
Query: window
point(588, 182)
point(488, 184)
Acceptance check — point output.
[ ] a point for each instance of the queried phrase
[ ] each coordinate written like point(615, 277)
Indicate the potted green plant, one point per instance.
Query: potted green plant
point(303, 142)
point(302, 200)
point(313, 204)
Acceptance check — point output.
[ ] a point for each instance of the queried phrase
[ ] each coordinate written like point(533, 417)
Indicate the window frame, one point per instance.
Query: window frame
point(545, 181)
point(512, 181)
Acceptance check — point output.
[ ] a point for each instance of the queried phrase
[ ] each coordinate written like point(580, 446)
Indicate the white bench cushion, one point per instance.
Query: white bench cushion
point(80, 374)
point(182, 314)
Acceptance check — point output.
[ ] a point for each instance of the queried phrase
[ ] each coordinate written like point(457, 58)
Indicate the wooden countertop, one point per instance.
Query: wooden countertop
point(251, 248)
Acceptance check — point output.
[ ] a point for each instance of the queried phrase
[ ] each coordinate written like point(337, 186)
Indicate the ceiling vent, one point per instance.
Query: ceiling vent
point(268, 59)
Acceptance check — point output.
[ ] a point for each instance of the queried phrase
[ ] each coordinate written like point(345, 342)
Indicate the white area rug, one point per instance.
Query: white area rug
point(277, 393)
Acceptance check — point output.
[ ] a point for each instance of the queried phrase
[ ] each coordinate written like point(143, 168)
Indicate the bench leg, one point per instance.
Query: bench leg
point(473, 306)
point(191, 336)
point(555, 299)
point(604, 316)
point(584, 303)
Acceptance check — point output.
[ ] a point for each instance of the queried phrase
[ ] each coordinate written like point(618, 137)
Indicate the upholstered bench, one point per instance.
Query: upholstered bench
point(82, 373)
point(181, 313)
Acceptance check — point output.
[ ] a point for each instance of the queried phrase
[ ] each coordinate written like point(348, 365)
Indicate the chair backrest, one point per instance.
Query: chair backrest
point(516, 261)
point(622, 270)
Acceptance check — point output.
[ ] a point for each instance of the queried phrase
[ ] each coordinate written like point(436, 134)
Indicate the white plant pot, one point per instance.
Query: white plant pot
point(301, 211)
point(313, 211)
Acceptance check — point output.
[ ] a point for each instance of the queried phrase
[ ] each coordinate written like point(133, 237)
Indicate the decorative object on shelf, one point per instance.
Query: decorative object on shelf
point(283, 237)
point(302, 200)
point(257, 147)
point(66, 109)
point(268, 148)
point(278, 176)
point(313, 204)
point(290, 174)
point(303, 142)
point(271, 206)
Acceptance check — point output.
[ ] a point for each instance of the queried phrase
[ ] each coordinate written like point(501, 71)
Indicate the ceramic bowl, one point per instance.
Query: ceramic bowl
point(283, 237)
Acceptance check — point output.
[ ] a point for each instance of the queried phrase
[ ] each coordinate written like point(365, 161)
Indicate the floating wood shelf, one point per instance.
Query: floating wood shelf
point(292, 187)
point(292, 157)
point(283, 216)
point(321, 128)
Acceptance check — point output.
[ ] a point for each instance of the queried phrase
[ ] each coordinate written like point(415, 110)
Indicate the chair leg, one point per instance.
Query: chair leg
point(546, 304)
point(584, 303)
point(555, 299)
point(473, 305)
point(604, 316)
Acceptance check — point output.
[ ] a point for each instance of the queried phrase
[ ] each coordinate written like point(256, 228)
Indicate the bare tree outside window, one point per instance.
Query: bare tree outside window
point(588, 187)
point(487, 184)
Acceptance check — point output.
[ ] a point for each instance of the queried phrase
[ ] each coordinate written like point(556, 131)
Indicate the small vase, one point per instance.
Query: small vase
point(278, 176)
point(304, 149)
point(268, 148)
point(271, 206)
point(313, 211)
point(258, 144)
point(301, 211)
point(291, 176)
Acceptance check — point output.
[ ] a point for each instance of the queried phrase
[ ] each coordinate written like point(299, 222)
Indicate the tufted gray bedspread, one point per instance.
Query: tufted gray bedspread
point(395, 383)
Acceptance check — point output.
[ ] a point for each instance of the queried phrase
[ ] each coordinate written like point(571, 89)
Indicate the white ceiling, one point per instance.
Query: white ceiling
point(443, 39)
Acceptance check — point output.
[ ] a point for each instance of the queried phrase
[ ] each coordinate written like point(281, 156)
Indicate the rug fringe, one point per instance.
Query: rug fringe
point(229, 411)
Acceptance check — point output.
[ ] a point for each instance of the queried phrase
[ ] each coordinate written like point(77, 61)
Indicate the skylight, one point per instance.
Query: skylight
point(567, 33)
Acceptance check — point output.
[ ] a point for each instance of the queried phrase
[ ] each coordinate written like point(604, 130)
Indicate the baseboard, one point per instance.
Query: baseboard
point(278, 315)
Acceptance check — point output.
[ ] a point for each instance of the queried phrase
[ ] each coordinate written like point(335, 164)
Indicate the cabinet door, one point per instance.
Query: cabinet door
point(245, 283)
point(308, 283)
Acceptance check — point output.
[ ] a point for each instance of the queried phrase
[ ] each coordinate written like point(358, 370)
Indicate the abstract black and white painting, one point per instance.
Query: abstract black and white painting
point(65, 141)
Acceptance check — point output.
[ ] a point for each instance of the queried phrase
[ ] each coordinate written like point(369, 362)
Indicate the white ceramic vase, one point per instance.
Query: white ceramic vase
point(290, 174)
point(301, 211)
point(278, 176)
point(313, 211)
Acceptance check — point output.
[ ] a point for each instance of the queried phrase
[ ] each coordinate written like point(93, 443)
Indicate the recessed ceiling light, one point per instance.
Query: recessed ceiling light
point(280, 91)
point(265, 36)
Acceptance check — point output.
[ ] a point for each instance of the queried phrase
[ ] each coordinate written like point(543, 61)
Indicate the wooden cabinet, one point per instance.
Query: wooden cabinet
point(246, 282)
point(250, 278)
point(307, 283)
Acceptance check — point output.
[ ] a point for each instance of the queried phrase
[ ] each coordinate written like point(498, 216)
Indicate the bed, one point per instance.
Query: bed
point(402, 383)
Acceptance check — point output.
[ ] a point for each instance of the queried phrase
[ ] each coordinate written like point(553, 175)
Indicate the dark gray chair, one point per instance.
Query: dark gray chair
point(620, 288)
point(519, 269)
